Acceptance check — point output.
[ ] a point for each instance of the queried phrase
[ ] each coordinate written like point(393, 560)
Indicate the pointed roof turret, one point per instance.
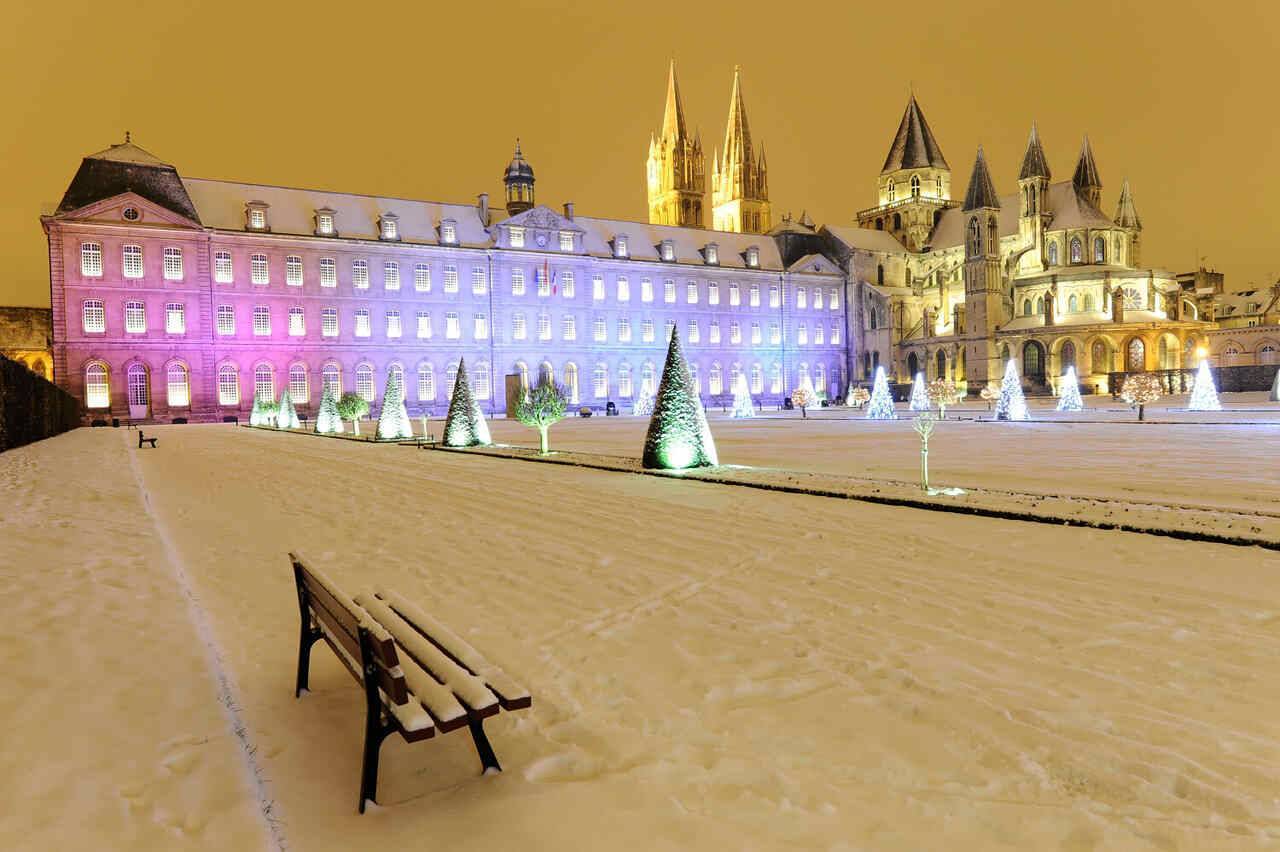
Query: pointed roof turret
point(673, 126)
point(1034, 163)
point(914, 146)
point(981, 192)
point(1126, 213)
point(737, 134)
point(1086, 175)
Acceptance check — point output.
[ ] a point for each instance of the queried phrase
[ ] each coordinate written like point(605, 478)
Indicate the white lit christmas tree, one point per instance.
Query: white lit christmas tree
point(919, 395)
point(328, 421)
point(679, 436)
point(1069, 392)
point(742, 404)
point(643, 406)
point(1275, 388)
point(464, 426)
point(286, 415)
point(881, 405)
point(1204, 396)
point(264, 411)
point(1011, 405)
point(393, 420)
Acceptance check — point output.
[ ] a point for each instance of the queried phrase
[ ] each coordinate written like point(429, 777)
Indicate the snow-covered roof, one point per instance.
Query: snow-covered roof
point(1068, 208)
point(1079, 318)
point(644, 242)
point(867, 239)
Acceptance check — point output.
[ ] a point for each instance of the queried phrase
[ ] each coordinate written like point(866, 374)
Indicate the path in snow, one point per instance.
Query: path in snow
point(725, 668)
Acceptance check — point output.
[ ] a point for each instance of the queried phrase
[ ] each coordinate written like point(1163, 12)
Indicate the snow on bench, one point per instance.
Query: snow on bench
point(411, 685)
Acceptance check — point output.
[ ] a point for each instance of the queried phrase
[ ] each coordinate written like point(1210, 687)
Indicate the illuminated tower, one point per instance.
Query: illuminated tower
point(739, 183)
point(1087, 183)
point(1033, 213)
point(1127, 218)
point(984, 303)
point(519, 182)
point(915, 183)
point(674, 168)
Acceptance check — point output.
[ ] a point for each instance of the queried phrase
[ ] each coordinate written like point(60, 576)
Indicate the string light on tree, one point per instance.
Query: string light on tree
point(804, 396)
point(1011, 405)
point(1069, 392)
point(880, 406)
point(1140, 390)
point(1204, 395)
point(742, 403)
point(919, 396)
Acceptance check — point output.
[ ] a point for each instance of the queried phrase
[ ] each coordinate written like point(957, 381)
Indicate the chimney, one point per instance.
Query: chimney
point(482, 202)
point(568, 210)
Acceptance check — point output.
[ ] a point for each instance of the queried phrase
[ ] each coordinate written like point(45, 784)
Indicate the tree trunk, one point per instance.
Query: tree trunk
point(1142, 414)
point(924, 464)
point(355, 425)
point(542, 435)
point(803, 414)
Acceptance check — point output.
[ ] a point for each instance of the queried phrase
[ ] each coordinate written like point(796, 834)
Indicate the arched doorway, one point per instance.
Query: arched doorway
point(1099, 358)
point(139, 392)
point(1033, 361)
point(1135, 356)
point(913, 365)
point(942, 364)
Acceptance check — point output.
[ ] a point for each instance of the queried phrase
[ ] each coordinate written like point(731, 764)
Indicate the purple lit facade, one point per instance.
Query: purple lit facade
point(179, 297)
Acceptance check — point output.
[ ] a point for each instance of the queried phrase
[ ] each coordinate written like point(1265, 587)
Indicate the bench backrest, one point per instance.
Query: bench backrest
point(363, 647)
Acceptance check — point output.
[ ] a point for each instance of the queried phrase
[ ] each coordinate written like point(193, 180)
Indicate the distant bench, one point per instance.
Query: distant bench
point(440, 683)
point(142, 439)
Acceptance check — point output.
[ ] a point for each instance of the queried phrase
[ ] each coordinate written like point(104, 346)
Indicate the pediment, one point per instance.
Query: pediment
point(111, 211)
point(815, 263)
point(542, 218)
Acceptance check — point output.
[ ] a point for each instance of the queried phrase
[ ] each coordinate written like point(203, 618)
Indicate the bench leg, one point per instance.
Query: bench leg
point(488, 759)
point(375, 731)
point(308, 637)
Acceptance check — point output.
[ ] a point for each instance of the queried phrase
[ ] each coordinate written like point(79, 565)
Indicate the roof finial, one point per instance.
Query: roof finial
point(518, 154)
point(127, 138)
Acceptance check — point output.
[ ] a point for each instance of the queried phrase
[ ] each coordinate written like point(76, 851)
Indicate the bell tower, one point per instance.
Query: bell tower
point(518, 179)
point(674, 170)
point(740, 182)
point(915, 184)
point(983, 299)
point(1033, 216)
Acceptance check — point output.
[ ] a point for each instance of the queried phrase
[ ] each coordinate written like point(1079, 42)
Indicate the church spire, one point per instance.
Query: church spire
point(1034, 163)
point(674, 168)
point(1086, 180)
point(913, 145)
point(673, 116)
point(982, 192)
point(739, 182)
point(1126, 213)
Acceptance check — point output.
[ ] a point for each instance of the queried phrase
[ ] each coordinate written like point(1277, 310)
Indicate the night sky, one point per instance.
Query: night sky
point(425, 101)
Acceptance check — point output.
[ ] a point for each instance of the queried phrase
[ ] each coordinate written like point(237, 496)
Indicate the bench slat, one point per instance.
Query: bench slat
point(510, 694)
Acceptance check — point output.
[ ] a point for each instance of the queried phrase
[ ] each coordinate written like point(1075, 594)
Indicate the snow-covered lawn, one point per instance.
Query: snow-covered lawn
point(712, 667)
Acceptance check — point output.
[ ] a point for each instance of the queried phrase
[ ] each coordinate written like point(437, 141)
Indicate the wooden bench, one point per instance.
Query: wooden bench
point(427, 441)
point(142, 439)
point(439, 684)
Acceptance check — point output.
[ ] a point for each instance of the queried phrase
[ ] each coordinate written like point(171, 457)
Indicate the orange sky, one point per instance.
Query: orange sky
point(425, 100)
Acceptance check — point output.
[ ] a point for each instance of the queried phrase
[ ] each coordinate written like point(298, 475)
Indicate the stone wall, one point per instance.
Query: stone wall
point(32, 408)
point(26, 336)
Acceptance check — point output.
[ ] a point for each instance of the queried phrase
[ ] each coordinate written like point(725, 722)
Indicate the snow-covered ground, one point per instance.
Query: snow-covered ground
point(712, 667)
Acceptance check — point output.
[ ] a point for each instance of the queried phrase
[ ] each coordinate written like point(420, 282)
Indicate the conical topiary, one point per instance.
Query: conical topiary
point(1069, 392)
point(286, 416)
point(328, 421)
point(919, 395)
point(679, 436)
point(881, 405)
point(1011, 405)
point(742, 404)
point(264, 411)
point(393, 420)
point(464, 425)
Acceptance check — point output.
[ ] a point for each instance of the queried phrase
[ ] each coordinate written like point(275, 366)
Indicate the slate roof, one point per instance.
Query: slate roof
point(1086, 175)
point(981, 192)
point(913, 145)
point(127, 168)
point(1126, 213)
point(867, 239)
point(1068, 210)
point(1034, 163)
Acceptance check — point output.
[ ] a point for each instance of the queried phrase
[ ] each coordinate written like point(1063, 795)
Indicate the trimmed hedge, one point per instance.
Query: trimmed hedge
point(31, 408)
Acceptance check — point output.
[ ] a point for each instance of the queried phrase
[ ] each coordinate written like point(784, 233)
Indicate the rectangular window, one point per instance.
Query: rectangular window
point(226, 320)
point(713, 293)
point(391, 275)
point(597, 287)
point(481, 327)
point(517, 236)
point(819, 337)
point(518, 330)
point(835, 334)
point(91, 259)
point(599, 332)
point(393, 324)
point(257, 219)
point(422, 278)
point(95, 315)
point(424, 325)
point(566, 241)
point(669, 328)
point(329, 322)
point(544, 326)
point(801, 300)
point(261, 320)
point(755, 295)
point(258, 269)
point(293, 270)
point(360, 274)
point(693, 333)
point(669, 291)
point(328, 272)
point(479, 281)
point(451, 279)
point(624, 330)
point(646, 331)
point(735, 332)
point(131, 261)
point(755, 333)
point(817, 298)
point(542, 279)
point(691, 292)
point(517, 281)
point(735, 297)
point(298, 390)
point(297, 322)
point(775, 334)
point(363, 325)
point(175, 318)
point(569, 327)
point(324, 223)
point(833, 299)
point(135, 317)
point(802, 335)
point(624, 289)
point(222, 267)
point(452, 329)
point(775, 300)
point(172, 263)
point(715, 332)
point(646, 290)
point(448, 233)
point(567, 284)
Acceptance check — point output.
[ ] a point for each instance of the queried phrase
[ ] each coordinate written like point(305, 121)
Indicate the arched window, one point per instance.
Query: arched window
point(715, 382)
point(1100, 361)
point(571, 381)
point(139, 392)
point(1077, 250)
point(482, 382)
point(648, 384)
point(735, 373)
point(331, 378)
point(880, 273)
point(1004, 354)
point(426, 382)
point(299, 387)
point(228, 385)
point(1068, 355)
point(1099, 250)
point(1119, 255)
point(179, 389)
point(1267, 354)
point(264, 382)
point(757, 379)
point(1026, 307)
point(819, 377)
point(522, 370)
point(875, 318)
point(889, 191)
point(1053, 253)
point(913, 364)
point(1164, 356)
point(1136, 360)
point(1039, 305)
point(915, 186)
point(941, 364)
point(1230, 354)
point(897, 221)
point(975, 237)
point(364, 381)
point(993, 236)
point(1073, 304)
point(600, 381)
point(879, 224)
point(866, 365)
point(624, 380)
point(450, 379)
point(547, 373)
point(97, 392)
point(1088, 301)
point(1032, 359)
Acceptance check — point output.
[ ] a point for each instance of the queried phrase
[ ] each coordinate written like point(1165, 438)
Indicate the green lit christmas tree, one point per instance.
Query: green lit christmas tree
point(679, 436)
point(464, 425)
point(393, 420)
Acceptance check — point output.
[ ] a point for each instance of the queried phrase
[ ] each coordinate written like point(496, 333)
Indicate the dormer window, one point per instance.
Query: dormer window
point(668, 250)
point(389, 226)
point(620, 246)
point(711, 254)
point(449, 232)
point(566, 241)
point(325, 222)
point(753, 257)
point(256, 215)
point(516, 236)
